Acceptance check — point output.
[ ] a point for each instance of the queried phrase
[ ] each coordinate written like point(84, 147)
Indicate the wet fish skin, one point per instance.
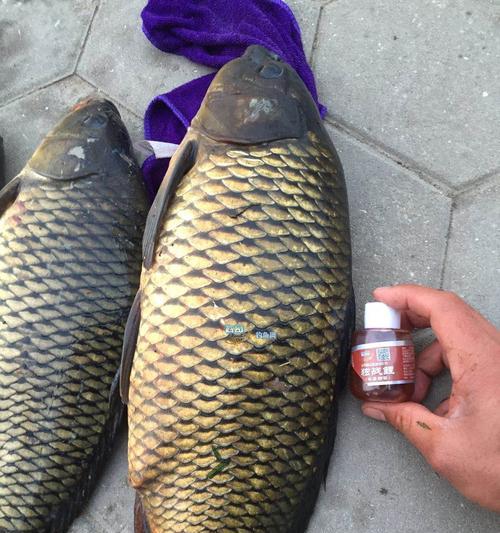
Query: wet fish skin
point(233, 433)
point(70, 229)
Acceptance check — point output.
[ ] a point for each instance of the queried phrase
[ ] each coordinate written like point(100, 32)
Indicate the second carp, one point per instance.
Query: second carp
point(71, 224)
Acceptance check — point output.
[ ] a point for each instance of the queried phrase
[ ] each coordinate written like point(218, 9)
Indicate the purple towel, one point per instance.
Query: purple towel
point(211, 32)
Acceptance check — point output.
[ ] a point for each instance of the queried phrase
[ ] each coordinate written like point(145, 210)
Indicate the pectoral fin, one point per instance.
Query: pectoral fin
point(129, 344)
point(180, 164)
point(8, 194)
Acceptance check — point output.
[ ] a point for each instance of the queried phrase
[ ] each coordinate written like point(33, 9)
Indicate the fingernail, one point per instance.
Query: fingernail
point(377, 292)
point(381, 289)
point(374, 413)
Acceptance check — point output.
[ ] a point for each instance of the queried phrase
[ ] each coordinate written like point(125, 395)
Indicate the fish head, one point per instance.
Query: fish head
point(90, 140)
point(256, 98)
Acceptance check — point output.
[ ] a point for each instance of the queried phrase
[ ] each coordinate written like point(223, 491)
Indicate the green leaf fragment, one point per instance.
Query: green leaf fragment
point(218, 469)
point(223, 464)
point(217, 454)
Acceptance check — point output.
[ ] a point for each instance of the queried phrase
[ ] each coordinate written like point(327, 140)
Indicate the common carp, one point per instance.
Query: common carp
point(237, 341)
point(70, 257)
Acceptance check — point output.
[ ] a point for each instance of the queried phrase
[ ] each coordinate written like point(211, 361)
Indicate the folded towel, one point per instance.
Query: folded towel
point(211, 32)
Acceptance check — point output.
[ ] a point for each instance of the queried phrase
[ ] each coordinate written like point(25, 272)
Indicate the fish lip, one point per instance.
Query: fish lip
point(257, 70)
point(86, 108)
point(95, 101)
point(260, 55)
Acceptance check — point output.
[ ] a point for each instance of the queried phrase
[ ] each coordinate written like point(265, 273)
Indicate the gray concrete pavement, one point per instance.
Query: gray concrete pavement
point(474, 243)
point(419, 79)
point(413, 92)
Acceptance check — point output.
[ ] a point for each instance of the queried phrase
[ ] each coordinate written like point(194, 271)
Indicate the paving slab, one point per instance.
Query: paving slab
point(111, 508)
point(421, 78)
point(307, 14)
point(86, 525)
point(39, 42)
point(25, 121)
point(378, 482)
point(122, 62)
point(398, 222)
point(473, 260)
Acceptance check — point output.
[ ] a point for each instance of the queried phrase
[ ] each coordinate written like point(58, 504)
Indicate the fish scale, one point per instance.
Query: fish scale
point(257, 237)
point(69, 266)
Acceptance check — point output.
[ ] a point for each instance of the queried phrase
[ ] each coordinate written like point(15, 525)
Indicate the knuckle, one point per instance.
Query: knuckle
point(453, 299)
point(401, 421)
point(452, 303)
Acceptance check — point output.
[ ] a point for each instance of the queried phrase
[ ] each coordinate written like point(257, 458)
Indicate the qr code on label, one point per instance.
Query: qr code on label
point(383, 354)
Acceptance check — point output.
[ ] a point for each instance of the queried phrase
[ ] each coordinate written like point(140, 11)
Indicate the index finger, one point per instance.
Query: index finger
point(454, 322)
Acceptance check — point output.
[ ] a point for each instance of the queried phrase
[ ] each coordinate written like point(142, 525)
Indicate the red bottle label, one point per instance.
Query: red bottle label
point(384, 363)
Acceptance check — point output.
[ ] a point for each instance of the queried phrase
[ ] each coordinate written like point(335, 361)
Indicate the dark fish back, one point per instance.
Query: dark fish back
point(69, 267)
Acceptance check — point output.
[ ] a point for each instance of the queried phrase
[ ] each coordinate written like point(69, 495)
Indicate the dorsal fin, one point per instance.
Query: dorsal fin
point(129, 342)
point(180, 164)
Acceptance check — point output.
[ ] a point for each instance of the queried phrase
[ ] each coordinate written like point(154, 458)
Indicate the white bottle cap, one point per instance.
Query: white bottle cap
point(381, 316)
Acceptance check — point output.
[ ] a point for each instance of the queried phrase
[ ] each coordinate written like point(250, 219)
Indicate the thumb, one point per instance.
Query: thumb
point(419, 425)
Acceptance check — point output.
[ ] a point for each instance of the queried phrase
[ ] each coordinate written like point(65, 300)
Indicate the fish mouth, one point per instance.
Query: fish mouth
point(257, 69)
point(94, 102)
point(260, 55)
point(91, 116)
point(269, 65)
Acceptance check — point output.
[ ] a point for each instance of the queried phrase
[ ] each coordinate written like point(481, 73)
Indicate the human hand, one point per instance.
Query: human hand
point(461, 439)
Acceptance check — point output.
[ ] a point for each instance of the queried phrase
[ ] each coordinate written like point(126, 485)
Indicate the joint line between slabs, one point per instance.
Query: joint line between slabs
point(107, 95)
point(86, 36)
point(479, 182)
point(446, 244)
point(36, 89)
point(65, 76)
point(316, 37)
point(440, 185)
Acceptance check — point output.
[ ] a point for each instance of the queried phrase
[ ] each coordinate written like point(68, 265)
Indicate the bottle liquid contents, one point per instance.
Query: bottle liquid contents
point(383, 357)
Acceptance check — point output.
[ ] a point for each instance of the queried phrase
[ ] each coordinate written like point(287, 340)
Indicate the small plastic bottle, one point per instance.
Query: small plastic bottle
point(383, 357)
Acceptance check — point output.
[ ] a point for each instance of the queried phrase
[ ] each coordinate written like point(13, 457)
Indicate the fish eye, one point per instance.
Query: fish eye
point(271, 71)
point(96, 121)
